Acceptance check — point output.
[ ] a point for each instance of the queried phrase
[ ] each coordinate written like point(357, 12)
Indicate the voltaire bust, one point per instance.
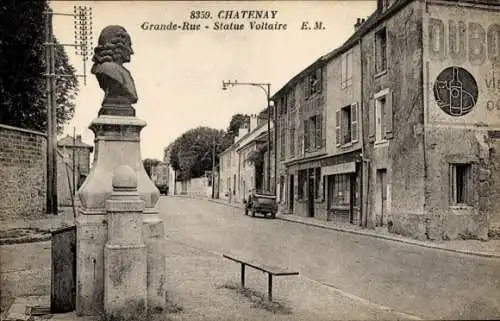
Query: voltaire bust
point(114, 48)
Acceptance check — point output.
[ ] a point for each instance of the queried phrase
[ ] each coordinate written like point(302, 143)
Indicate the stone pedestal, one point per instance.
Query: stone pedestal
point(91, 236)
point(125, 257)
point(117, 143)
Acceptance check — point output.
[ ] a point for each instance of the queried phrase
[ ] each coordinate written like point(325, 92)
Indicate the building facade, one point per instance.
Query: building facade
point(241, 165)
point(82, 151)
point(160, 173)
point(406, 123)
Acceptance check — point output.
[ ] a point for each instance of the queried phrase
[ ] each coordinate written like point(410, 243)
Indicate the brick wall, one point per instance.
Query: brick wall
point(22, 173)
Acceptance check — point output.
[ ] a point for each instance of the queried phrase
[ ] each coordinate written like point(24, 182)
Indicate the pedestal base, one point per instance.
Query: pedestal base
point(91, 233)
point(125, 295)
point(154, 236)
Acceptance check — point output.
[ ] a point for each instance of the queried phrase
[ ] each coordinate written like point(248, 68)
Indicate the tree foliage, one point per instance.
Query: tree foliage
point(22, 68)
point(191, 153)
point(149, 163)
point(236, 122)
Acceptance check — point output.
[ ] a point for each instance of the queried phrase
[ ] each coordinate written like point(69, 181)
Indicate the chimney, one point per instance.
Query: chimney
point(357, 24)
point(253, 122)
point(380, 5)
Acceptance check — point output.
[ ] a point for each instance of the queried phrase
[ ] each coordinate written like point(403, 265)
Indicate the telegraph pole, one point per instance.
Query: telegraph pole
point(213, 168)
point(51, 122)
point(83, 40)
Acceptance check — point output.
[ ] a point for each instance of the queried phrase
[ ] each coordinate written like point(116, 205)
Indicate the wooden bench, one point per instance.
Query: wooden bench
point(270, 270)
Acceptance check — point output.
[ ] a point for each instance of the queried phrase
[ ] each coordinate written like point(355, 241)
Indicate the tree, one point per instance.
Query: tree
point(149, 163)
point(22, 68)
point(191, 153)
point(236, 122)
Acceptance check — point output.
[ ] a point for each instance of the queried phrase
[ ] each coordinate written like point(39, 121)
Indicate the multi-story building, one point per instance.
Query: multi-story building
point(301, 144)
point(160, 173)
point(412, 127)
point(241, 165)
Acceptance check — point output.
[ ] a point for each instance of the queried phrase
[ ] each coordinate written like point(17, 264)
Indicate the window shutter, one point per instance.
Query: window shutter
point(452, 180)
point(306, 135)
point(354, 122)
point(470, 184)
point(307, 86)
point(337, 128)
point(388, 115)
point(319, 126)
point(371, 121)
point(320, 79)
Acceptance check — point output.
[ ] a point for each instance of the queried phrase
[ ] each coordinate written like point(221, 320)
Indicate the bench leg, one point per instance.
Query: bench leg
point(270, 287)
point(242, 275)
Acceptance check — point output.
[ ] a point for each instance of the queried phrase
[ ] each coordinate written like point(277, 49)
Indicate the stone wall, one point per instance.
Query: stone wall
point(194, 187)
point(402, 154)
point(23, 169)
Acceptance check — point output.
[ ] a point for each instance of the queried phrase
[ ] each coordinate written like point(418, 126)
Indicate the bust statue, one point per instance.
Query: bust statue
point(114, 48)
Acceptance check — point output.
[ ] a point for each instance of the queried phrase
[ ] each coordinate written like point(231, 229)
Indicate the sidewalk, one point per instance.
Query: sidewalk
point(26, 231)
point(201, 285)
point(489, 248)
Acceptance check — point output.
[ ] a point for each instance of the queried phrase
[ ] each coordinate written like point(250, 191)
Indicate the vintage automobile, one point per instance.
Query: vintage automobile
point(261, 203)
point(163, 188)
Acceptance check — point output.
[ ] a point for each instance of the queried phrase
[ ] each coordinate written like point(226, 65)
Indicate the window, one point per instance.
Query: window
point(345, 127)
point(291, 98)
point(292, 142)
point(340, 190)
point(283, 105)
point(380, 110)
point(306, 135)
point(461, 184)
point(346, 123)
point(283, 139)
point(301, 184)
point(313, 133)
point(317, 182)
point(380, 51)
point(346, 70)
point(313, 83)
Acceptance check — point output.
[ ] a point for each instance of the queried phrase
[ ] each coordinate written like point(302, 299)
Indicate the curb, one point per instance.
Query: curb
point(29, 239)
point(384, 237)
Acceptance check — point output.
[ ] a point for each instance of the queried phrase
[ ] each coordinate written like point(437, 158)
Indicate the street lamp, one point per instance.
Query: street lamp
point(266, 87)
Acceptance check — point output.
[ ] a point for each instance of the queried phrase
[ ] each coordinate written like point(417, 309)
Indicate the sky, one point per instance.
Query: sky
point(178, 74)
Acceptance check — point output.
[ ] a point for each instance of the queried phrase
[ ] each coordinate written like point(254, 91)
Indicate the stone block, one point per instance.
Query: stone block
point(125, 291)
point(91, 238)
point(156, 274)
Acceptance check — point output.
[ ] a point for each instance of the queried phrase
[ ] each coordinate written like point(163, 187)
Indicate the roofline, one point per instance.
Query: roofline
point(233, 145)
point(350, 42)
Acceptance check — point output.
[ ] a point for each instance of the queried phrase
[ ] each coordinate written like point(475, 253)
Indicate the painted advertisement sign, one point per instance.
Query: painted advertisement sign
point(462, 64)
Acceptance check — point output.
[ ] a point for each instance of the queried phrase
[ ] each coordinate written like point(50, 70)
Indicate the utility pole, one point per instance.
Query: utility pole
point(82, 20)
point(266, 87)
point(213, 167)
point(51, 122)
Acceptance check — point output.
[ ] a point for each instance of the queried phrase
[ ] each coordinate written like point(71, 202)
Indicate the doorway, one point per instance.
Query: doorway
point(310, 196)
point(382, 196)
point(291, 190)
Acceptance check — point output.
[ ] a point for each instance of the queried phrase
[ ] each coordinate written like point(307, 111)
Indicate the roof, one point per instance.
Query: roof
point(373, 20)
point(68, 142)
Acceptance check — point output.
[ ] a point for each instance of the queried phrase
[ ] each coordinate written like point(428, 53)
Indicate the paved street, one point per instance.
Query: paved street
point(342, 275)
point(427, 283)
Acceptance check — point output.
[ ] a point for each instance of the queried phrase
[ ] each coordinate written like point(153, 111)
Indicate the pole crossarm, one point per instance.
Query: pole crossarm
point(264, 86)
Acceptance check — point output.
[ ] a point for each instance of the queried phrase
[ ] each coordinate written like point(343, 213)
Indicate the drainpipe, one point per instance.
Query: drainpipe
point(363, 168)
